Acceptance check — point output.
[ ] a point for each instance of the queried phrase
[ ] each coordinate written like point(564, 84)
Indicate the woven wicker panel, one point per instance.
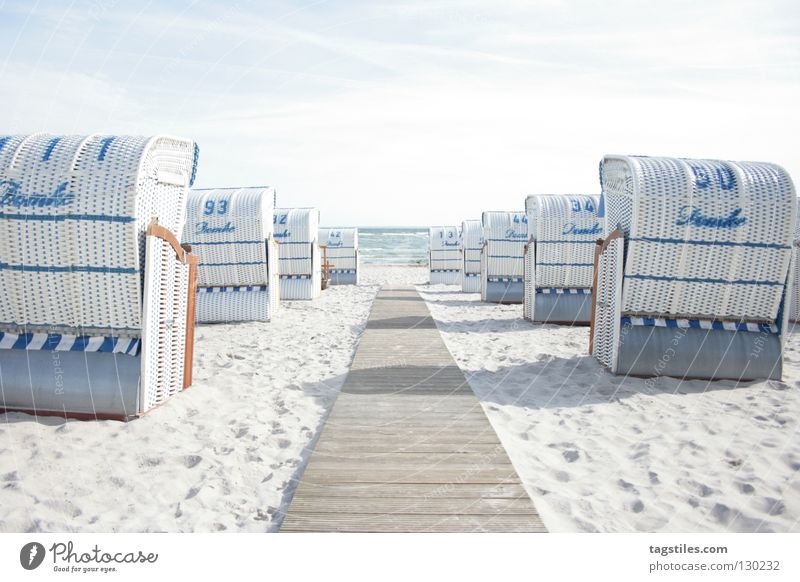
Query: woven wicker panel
point(296, 229)
point(607, 320)
point(228, 229)
point(234, 304)
point(708, 239)
point(471, 245)
point(506, 234)
point(444, 244)
point(565, 228)
point(342, 246)
point(164, 319)
point(73, 212)
point(529, 297)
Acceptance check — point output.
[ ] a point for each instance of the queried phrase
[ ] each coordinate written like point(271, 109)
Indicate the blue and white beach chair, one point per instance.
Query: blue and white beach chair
point(794, 304)
point(342, 254)
point(97, 310)
point(559, 259)
point(471, 245)
point(444, 255)
point(502, 257)
point(693, 274)
point(230, 230)
point(297, 231)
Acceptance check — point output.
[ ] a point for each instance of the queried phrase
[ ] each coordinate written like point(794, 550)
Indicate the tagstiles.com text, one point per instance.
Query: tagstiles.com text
point(684, 550)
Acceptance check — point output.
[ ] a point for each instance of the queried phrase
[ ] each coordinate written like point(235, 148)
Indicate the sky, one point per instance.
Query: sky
point(417, 112)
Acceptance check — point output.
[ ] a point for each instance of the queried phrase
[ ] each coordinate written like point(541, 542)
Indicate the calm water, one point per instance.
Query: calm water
point(393, 246)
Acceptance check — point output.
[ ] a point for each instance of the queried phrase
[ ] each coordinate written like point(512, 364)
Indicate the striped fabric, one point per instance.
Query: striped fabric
point(561, 291)
point(232, 289)
point(700, 324)
point(69, 343)
point(291, 277)
point(505, 279)
point(343, 271)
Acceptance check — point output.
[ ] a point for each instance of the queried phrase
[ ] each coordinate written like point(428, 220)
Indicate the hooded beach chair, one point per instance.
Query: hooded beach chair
point(693, 274)
point(502, 257)
point(794, 303)
point(342, 254)
point(297, 232)
point(471, 244)
point(444, 255)
point(559, 259)
point(231, 232)
point(97, 310)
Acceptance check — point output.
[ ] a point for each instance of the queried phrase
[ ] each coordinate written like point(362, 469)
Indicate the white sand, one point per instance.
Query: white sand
point(596, 452)
point(221, 456)
point(599, 452)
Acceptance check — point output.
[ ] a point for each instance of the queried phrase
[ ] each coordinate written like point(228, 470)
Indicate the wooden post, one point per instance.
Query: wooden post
point(188, 359)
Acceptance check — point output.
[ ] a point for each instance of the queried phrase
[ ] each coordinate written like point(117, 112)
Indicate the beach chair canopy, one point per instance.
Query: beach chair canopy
point(565, 229)
point(73, 216)
point(228, 229)
point(706, 239)
point(505, 235)
point(471, 243)
point(297, 231)
point(342, 247)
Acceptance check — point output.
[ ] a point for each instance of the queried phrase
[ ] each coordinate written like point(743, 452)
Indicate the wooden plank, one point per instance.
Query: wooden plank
point(414, 505)
point(431, 523)
point(412, 490)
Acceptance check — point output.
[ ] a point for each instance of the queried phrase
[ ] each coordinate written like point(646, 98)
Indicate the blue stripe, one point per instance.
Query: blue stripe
point(226, 242)
point(505, 257)
point(445, 260)
point(701, 280)
point(585, 242)
point(231, 264)
point(679, 241)
point(565, 264)
point(106, 141)
point(290, 259)
point(3, 141)
point(59, 325)
point(514, 240)
point(80, 343)
point(472, 260)
point(62, 217)
point(22, 341)
point(50, 147)
point(288, 242)
point(69, 269)
point(108, 344)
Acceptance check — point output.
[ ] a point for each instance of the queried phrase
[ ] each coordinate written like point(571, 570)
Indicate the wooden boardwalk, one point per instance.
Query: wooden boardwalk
point(407, 447)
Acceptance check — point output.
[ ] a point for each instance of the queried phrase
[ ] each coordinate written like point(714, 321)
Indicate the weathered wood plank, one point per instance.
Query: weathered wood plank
point(431, 523)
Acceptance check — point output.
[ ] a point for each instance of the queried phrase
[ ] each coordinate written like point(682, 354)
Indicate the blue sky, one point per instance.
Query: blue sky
point(416, 112)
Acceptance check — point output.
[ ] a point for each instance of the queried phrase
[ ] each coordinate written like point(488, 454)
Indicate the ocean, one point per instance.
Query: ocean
point(393, 246)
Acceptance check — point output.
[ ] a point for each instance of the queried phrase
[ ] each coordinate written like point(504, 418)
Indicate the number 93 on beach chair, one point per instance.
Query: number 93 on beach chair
point(97, 313)
point(505, 235)
point(231, 232)
point(444, 255)
point(559, 259)
point(693, 274)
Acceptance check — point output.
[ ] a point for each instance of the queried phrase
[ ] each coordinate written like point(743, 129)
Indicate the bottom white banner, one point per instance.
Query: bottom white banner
point(378, 557)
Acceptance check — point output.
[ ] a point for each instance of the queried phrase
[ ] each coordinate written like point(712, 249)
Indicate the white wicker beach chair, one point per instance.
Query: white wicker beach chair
point(296, 230)
point(692, 277)
point(559, 259)
point(98, 295)
point(230, 230)
point(444, 255)
point(502, 257)
point(471, 245)
point(342, 254)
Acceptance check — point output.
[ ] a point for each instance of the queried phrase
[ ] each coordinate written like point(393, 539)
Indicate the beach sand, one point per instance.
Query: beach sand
point(599, 452)
point(596, 452)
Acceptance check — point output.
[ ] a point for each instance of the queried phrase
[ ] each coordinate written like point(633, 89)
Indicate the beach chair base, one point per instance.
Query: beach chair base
point(300, 289)
point(230, 304)
point(70, 384)
point(504, 292)
point(471, 283)
point(343, 278)
point(698, 353)
point(562, 308)
point(445, 278)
